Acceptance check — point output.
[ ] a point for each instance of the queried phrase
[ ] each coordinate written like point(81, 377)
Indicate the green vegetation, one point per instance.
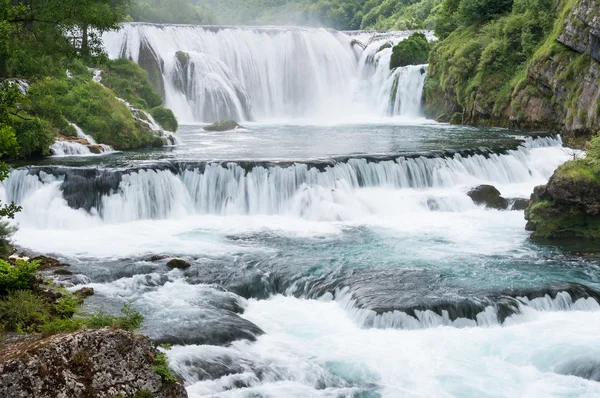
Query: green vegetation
point(16, 277)
point(412, 51)
point(130, 82)
point(165, 118)
point(482, 60)
point(161, 368)
point(45, 83)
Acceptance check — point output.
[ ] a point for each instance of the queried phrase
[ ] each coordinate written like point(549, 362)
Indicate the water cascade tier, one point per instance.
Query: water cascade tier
point(208, 74)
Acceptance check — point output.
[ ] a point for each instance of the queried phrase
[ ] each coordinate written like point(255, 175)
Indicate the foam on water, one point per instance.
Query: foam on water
point(313, 348)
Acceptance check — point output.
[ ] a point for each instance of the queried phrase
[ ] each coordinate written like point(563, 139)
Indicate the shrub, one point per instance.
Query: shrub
point(165, 118)
point(412, 51)
point(161, 368)
point(22, 311)
point(17, 277)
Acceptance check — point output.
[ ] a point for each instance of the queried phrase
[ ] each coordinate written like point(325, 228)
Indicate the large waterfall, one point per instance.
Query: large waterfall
point(214, 73)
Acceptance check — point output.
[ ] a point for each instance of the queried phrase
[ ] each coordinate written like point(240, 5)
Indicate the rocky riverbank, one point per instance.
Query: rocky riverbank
point(88, 363)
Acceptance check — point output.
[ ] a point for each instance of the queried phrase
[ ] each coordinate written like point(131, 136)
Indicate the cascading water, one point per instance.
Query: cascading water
point(216, 73)
point(85, 146)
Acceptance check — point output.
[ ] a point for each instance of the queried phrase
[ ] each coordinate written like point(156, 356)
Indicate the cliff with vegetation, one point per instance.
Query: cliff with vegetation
point(526, 64)
point(532, 64)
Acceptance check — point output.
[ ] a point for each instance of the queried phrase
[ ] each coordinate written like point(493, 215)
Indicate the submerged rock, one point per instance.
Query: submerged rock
point(178, 263)
point(488, 196)
point(223, 125)
point(91, 364)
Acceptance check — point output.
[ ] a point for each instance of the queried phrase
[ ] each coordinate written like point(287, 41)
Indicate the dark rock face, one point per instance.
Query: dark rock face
point(85, 292)
point(565, 208)
point(489, 196)
point(223, 125)
point(178, 263)
point(518, 204)
point(91, 364)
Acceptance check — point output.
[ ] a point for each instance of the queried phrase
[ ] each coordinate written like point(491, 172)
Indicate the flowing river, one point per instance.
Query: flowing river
point(334, 251)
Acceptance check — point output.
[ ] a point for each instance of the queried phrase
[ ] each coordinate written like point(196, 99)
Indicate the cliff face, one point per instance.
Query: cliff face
point(92, 364)
point(558, 87)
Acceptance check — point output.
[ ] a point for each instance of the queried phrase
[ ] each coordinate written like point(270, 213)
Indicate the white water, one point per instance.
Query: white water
point(314, 349)
point(271, 73)
point(71, 148)
point(344, 192)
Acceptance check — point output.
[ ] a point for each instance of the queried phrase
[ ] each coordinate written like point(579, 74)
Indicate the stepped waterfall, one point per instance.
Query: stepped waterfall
point(208, 74)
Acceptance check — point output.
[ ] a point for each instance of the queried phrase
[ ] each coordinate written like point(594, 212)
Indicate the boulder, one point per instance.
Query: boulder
point(223, 125)
point(178, 263)
point(91, 364)
point(488, 196)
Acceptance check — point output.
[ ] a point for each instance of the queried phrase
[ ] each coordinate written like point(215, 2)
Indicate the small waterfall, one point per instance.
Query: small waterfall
point(317, 191)
point(266, 73)
point(84, 146)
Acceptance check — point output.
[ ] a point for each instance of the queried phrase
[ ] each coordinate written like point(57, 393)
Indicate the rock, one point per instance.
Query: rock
point(154, 258)
point(48, 262)
point(565, 208)
point(489, 196)
point(91, 364)
point(85, 292)
point(223, 125)
point(95, 149)
point(62, 271)
point(443, 118)
point(178, 263)
point(518, 204)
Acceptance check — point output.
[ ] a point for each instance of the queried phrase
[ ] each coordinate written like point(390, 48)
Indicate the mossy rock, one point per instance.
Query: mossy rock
point(165, 118)
point(224, 125)
point(412, 51)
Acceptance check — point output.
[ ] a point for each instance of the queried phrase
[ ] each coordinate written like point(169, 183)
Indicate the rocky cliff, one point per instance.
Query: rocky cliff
point(485, 76)
point(92, 364)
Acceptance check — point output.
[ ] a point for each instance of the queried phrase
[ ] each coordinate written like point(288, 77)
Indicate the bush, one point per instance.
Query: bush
point(412, 51)
point(165, 118)
point(17, 277)
point(22, 311)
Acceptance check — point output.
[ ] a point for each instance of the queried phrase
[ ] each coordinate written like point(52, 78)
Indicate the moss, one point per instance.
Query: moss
point(165, 118)
point(551, 223)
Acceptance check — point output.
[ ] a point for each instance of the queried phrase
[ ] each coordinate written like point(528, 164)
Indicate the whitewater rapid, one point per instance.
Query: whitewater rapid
point(342, 276)
point(267, 73)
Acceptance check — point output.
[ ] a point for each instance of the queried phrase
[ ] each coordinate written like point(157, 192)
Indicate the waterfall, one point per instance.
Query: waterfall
point(267, 73)
point(84, 146)
point(327, 190)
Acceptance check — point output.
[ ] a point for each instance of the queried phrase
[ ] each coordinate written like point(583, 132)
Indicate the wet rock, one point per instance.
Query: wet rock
point(223, 125)
point(443, 118)
point(488, 196)
point(154, 258)
point(48, 262)
point(178, 263)
point(211, 331)
point(85, 292)
point(518, 204)
point(92, 364)
point(62, 271)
